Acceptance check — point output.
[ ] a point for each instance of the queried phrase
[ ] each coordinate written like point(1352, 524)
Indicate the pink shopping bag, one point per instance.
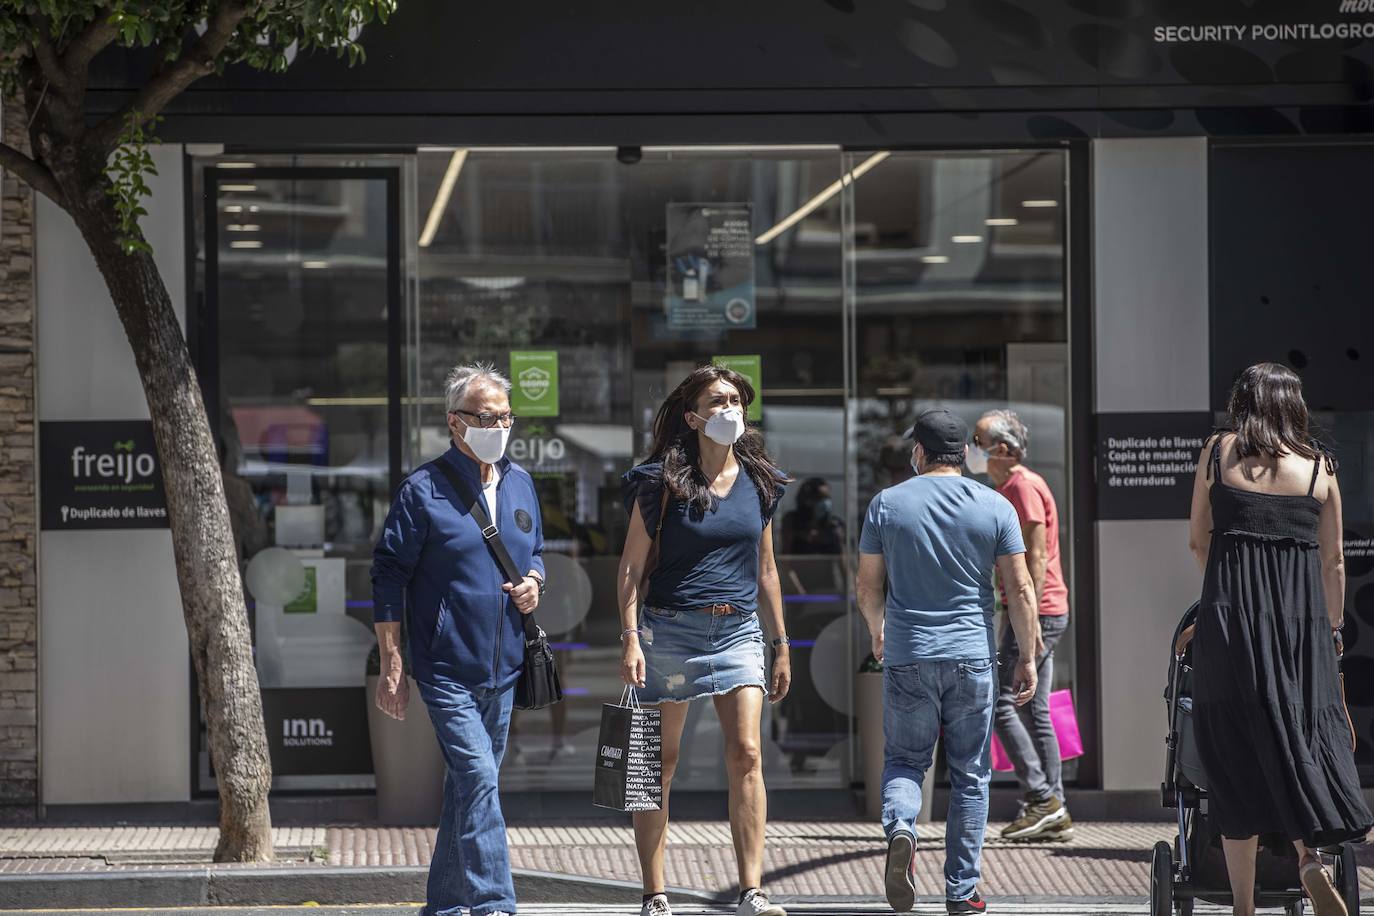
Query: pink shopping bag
point(1065, 729)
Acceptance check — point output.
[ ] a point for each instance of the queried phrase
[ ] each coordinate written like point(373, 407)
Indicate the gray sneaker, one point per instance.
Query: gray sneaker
point(755, 903)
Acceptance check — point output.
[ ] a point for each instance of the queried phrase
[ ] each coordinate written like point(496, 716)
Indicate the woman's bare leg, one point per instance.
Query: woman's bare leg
point(1240, 867)
point(651, 827)
point(739, 713)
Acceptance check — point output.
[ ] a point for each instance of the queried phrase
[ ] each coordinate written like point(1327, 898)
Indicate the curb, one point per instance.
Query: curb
point(287, 886)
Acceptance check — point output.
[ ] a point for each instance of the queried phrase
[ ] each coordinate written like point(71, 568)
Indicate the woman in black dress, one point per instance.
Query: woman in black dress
point(1272, 731)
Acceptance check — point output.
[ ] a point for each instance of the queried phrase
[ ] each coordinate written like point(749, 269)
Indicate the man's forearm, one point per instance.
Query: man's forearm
point(1038, 562)
point(389, 639)
point(872, 606)
point(1022, 612)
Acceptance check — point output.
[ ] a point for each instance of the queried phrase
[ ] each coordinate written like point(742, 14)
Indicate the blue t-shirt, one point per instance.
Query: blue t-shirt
point(704, 558)
point(940, 537)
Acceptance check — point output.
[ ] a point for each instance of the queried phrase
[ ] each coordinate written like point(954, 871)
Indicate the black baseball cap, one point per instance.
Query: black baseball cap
point(938, 431)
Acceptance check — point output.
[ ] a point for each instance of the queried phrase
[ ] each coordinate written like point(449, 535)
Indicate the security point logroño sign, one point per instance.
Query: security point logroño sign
point(100, 474)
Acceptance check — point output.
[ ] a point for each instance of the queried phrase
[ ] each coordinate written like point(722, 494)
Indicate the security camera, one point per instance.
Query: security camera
point(629, 154)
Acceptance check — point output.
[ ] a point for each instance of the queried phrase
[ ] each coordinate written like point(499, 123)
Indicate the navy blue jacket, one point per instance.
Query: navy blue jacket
point(432, 565)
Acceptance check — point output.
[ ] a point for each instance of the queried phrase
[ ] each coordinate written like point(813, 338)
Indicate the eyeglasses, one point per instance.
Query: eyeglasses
point(489, 420)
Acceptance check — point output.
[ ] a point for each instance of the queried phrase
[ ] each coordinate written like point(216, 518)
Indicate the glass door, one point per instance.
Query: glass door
point(300, 360)
point(598, 284)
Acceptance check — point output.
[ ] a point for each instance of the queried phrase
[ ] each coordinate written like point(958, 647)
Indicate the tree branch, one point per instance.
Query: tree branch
point(94, 38)
point(171, 81)
point(44, 52)
point(34, 173)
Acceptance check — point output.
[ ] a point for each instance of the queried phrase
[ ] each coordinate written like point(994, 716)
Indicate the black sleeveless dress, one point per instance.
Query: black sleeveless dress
point(1271, 730)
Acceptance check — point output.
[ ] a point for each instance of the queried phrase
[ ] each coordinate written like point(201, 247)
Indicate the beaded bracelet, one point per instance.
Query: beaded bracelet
point(634, 630)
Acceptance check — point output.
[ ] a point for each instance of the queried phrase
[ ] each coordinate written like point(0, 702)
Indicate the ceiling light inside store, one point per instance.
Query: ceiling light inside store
point(811, 205)
point(436, 210)
point(1002, 221)
point(935, 259)
point(233, 208)
point(242, 227)
point(238, 188)
point(246, 243)
point(236, 165)
point(314, 265)
point(966, 239)
point(1039, 204)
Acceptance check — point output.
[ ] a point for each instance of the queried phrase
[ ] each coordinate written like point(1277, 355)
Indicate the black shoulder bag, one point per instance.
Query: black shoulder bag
point(538, 685)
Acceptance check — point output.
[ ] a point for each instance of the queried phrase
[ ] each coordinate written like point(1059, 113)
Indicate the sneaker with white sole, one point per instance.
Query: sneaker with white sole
point(657, 905)
point(1038, 815)
point(898, 878)
point(755, 903)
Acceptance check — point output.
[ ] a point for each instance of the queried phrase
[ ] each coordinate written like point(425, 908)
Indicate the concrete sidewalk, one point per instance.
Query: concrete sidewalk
point(803, 860)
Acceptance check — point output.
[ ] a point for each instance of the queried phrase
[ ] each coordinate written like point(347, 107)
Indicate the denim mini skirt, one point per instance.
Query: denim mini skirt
point(690, 654)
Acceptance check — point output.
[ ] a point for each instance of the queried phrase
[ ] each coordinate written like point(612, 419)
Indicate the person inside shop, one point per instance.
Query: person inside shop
point(1000, 445)
point(432, 567)
point(813, 526)
point(706, 494)
point(926, 557)
point(1269, 719)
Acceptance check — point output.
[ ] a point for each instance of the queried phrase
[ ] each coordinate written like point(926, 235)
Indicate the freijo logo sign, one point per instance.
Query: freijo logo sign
point(100, 474)
point(306, 733)
point(119, 464)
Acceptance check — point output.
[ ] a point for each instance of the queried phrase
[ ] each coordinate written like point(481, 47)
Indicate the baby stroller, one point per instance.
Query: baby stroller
point(1193, 867)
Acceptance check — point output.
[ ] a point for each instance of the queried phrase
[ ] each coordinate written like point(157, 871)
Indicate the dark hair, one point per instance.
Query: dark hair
point(809, 493)
point(1269, 416)
point(677, 446)
point(944, 459)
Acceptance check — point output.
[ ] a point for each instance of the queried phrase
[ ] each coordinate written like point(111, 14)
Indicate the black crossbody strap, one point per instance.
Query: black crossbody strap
point(490, 533)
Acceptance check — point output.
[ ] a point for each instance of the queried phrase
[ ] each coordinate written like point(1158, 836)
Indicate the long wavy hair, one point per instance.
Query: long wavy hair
point(676, 444)
point(1269, 416)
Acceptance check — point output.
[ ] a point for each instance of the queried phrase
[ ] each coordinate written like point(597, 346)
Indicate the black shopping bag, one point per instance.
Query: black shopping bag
point(629, 757)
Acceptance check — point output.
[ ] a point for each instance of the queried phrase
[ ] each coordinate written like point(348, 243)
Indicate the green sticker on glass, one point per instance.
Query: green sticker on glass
point(751, 367)
point(308, 601)
point(534, 383)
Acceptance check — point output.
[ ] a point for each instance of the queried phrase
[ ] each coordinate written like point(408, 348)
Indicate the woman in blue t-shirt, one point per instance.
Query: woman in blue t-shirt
point(696, 632)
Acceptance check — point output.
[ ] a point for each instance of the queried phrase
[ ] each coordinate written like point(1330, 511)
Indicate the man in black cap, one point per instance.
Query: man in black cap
point(933, 541)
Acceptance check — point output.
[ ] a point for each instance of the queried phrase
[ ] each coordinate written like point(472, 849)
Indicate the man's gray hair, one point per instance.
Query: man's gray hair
point(1005, 426)
point(456, 385)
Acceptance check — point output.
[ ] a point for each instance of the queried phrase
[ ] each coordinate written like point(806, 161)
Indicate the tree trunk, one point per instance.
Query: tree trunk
point(207, 568)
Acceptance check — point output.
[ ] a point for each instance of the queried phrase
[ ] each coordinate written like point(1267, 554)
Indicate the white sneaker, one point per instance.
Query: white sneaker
point(657, 905)
point(755, 903)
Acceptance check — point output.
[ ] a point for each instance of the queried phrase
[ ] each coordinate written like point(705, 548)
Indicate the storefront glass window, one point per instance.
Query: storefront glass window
point(959, 301)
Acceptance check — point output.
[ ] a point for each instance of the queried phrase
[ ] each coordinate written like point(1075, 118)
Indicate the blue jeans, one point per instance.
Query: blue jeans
point(471, 864)
point(920, 700)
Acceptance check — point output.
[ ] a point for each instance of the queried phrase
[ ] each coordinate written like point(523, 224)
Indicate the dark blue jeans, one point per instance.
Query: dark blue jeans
point(920, 700)
point(471, 864)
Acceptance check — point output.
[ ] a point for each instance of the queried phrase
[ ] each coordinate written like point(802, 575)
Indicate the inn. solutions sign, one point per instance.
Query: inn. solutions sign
point(100, 474)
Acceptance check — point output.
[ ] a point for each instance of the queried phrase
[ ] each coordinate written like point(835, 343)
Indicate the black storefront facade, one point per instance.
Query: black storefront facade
point(1093, 212)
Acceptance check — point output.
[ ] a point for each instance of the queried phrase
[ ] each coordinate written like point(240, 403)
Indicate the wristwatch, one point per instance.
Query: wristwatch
point(780, 641)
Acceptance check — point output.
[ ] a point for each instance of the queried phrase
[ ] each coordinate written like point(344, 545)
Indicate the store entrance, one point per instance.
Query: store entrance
point(852, 288)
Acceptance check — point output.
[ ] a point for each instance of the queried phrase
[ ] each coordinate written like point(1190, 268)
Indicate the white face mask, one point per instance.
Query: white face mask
point(487, 444)
point(977, 460)
point(725, 427)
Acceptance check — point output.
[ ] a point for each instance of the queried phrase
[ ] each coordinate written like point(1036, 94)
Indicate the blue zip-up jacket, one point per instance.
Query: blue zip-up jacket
point(432, 565)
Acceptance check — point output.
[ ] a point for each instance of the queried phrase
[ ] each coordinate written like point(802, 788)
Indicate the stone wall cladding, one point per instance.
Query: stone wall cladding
point(18, 500)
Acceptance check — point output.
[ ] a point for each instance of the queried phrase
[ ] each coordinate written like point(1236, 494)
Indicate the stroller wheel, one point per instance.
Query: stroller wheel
point(1294, 909)
point(1348, 879)
point(1162, 880)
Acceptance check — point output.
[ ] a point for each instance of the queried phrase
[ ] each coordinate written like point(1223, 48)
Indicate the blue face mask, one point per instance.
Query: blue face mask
point(824, 507)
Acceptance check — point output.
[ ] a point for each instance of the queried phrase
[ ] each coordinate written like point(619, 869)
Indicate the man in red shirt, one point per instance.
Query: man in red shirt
point(1001, 440)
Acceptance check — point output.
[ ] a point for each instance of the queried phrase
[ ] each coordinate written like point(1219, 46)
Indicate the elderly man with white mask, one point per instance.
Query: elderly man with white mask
point(465, 629)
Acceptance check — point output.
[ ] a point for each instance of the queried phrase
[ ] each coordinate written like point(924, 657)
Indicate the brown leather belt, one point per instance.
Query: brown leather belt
point(718, 610)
